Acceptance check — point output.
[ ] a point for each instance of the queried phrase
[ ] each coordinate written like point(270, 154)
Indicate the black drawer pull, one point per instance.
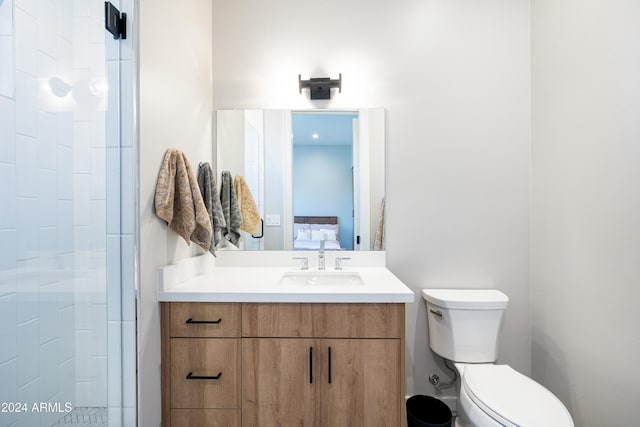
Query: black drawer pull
point(329, 365)
point(190, 376)
point(310, 365)
point(190, 321)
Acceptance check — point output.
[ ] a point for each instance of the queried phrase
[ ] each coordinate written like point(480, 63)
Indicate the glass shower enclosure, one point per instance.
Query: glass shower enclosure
point(67, 216)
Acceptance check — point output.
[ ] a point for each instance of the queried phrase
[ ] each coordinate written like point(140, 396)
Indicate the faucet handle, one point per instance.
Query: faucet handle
point(339, 262)
point(305, 262)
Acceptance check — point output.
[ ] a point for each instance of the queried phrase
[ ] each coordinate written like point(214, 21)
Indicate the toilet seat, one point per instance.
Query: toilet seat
point(513, 399)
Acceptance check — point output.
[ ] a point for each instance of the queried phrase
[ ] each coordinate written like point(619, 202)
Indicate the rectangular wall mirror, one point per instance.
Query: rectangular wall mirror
point(315, 175)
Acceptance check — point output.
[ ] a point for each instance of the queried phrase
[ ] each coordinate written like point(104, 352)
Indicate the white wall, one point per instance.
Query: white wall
point(454, 77)
point(230, 156)
point(175, 111)
point(586, 206)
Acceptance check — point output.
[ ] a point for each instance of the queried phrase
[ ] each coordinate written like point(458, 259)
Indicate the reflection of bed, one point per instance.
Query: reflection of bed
point(308, 231)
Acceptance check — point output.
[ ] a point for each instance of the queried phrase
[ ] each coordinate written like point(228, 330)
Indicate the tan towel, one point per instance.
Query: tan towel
point(248, 208)
point(379, 243)
point(179, 202)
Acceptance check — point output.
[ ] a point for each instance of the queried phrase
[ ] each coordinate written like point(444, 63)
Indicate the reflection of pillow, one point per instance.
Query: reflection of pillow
point(329, 234)
point(304, 235)
point(297, 227)
point(317, 235)
point(334, 227)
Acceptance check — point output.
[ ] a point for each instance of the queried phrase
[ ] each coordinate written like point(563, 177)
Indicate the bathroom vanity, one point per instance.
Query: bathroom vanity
point(293, 353)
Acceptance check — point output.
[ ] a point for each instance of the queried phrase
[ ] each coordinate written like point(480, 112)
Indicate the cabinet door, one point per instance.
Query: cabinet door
point(279, 382)
point(360, 383)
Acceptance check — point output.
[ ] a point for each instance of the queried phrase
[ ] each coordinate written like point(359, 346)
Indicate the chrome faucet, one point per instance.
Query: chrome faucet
point(321, 265)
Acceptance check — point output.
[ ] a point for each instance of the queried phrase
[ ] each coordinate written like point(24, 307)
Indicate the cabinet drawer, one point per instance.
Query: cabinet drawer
point(359, 320)
point(277, 320)
point(204, 319)
point(323, 320)
point(205, 417)
point(205, 373)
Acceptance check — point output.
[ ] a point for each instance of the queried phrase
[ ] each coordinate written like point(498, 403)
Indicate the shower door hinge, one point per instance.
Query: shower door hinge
point(114, 21)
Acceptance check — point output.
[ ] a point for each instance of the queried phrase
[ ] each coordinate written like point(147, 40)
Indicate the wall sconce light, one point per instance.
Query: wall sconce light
point(59, 87)
point(320, 87)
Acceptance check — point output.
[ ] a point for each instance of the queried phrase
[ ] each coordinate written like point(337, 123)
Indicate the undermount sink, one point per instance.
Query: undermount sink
point(321, 278)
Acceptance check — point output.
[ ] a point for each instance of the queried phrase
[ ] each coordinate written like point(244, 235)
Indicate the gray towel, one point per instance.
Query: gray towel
point(230, 208)
point(209, 190)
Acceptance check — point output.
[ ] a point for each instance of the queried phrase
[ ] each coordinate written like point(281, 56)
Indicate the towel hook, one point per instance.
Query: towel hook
point(261, 235)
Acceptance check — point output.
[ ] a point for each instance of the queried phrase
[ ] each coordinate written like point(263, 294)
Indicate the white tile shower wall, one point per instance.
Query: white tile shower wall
point(36, 287)
point(7, 68)
point(89, 71)
point(53, 313)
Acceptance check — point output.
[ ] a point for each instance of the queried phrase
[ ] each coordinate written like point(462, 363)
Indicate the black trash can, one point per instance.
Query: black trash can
point(427, 411)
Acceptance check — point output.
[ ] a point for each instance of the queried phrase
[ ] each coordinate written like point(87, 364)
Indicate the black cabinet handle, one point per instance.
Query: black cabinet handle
point(190, 321)
point(190, 376)
point(310, 365)
point(329, 365)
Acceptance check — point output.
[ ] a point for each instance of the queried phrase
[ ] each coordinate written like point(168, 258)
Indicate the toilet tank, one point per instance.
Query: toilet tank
point(465, 324)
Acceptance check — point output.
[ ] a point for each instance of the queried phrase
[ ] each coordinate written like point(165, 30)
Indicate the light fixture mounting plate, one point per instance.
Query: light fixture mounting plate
point(320, 87)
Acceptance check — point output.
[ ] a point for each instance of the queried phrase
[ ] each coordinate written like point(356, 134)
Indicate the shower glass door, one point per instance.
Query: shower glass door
point(67, 340)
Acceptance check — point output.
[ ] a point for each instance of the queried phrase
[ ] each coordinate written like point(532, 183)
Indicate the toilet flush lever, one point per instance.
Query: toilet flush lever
point(436, 313)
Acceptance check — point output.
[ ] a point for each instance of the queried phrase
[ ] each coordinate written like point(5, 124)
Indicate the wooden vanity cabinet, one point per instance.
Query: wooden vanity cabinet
point(312, 365)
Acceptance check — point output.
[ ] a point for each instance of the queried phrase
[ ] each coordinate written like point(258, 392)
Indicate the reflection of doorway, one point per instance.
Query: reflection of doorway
point(323, 164)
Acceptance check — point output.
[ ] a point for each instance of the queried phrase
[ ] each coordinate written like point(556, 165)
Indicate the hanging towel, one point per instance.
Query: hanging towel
point(379, 241)
point(209, 191)
point(230, 209)
point(248, 208)
point(178, 200)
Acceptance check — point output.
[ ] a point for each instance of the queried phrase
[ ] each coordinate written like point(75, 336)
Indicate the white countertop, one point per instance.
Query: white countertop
point(261, 284)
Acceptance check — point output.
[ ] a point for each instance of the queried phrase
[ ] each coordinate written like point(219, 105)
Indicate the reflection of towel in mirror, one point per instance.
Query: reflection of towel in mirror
point(379, 242)
point(230, 208)
point(248, 208)
point(209, 191)
point(179, 202)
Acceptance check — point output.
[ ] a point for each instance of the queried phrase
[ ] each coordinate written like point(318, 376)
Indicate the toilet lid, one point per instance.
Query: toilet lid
point(512, 398)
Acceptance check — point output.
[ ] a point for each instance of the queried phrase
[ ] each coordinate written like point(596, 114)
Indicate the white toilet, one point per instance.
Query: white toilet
point(464, 327)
